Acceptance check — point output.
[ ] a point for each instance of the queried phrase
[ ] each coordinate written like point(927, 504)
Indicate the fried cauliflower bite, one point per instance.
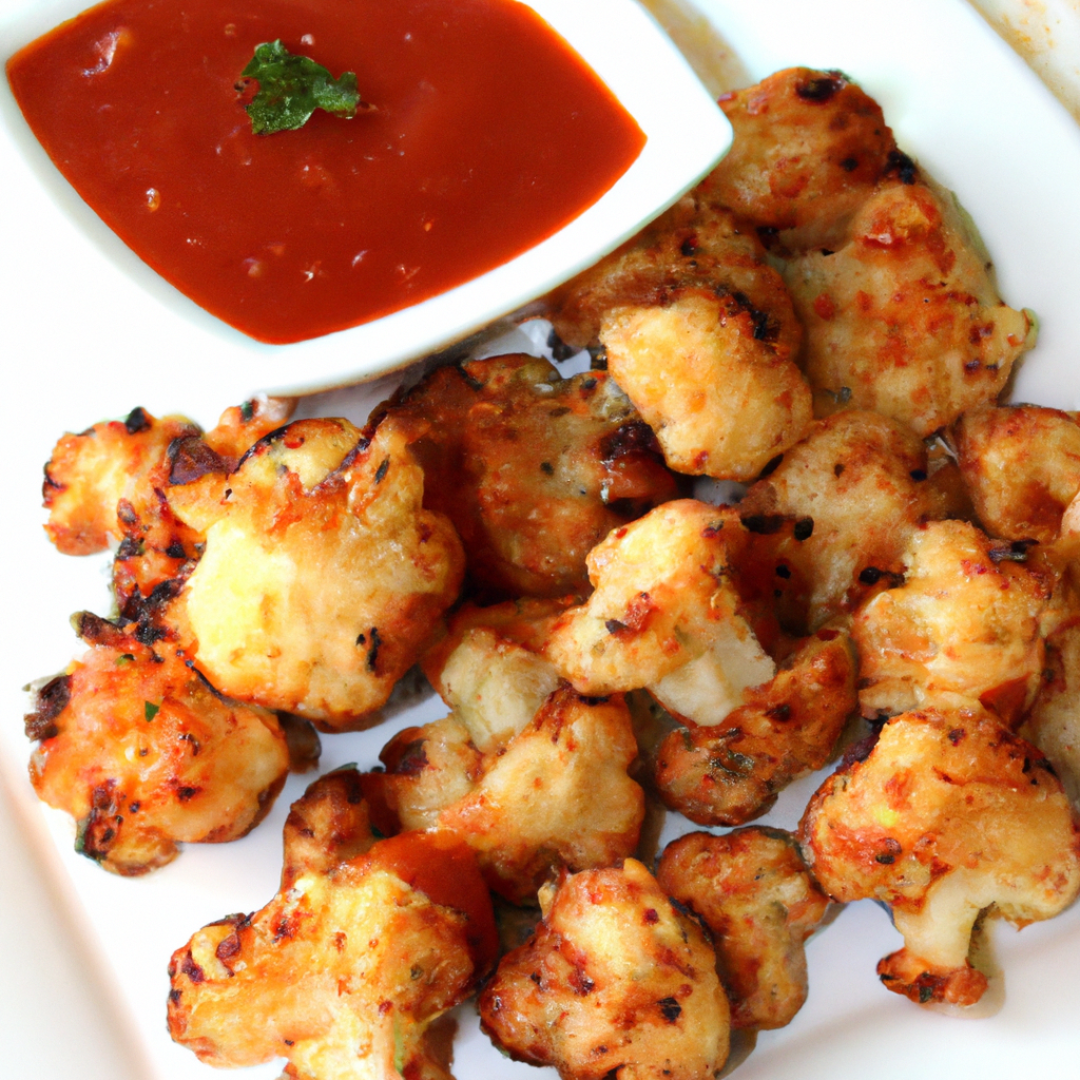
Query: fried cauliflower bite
point(904, 317)
point(664, 616)
point(145, 755)
point(809, 147)
point(753, 891)
point(241, 426)
point(109, 483)
point(556, 795)
point(963, 627)
point(615, 981)
point(853, 489)
point(91, 474)
point(329, 824)
point(490, 668)
point(323, 576)
point(948, 817)
point(159, 550)
point(692, 244)
point(733, 772)
point(1053, 721)
point(1021, 464)
point(532, 469)
point(106, 484)
point(427, 769)
point(721, 400)
point(345, 970)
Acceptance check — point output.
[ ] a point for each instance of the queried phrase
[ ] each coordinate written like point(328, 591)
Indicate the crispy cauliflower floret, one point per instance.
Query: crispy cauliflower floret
point(323, 576)
point(532, 469)
point(963, 627)
point(106, 485)
point(329, 824)
point(693, 244)
point(948, 816)
point(614, 982)
point(809, 147)
point(1021, 464)
point(1053, 722)
point(556, 795)
point(559, 795)
point(344, 971)
point(752, 889)
point(853, 490)
point(241, 426)
point(722, 401)
point(90, 475)
point(904, 317)
point(664, 616)
point(109, 484)
point(490, 668)
point(732, 773)
point(428, 768)
point(145, 755)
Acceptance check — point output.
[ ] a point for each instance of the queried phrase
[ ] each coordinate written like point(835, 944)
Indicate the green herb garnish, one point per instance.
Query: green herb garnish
point(150, 710)
point(82, 830)
point(291, 88)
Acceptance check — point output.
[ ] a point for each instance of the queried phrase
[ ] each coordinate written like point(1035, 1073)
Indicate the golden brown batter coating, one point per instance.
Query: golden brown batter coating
point(752, 889)
point(344, 971)
point(1053, 721)
point(490, 668)
point(665, 616)
point(731, 773)
point(555, 795)
point(107, 484)
point(853, 491)
point(948, 816)
point(323, 576)
point(144, 754)
point(241, 426)
point(560, 795)
point(89, 474)
point(699, 331)
point(694, 244)
point(111, 483)
point(722, 401)
point(964, 627)
point(809, 147)
point(427, 769)
point(532, 469)
point(329, 824)
point(1021, 464)
point(615, 981)
point(903, 317)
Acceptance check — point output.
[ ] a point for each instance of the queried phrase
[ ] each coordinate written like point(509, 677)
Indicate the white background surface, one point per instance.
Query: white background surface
point(1046, 33)
point(83, 954)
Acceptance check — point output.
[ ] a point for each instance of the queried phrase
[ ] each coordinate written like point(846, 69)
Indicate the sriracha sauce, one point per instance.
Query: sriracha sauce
point(487, 134)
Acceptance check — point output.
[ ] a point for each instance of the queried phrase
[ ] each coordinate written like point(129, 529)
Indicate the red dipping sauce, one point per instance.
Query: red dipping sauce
point(488, 135)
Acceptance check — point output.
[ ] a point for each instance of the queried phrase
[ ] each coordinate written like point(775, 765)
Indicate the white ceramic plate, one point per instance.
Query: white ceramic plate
point(84, 954)
point(129, 304)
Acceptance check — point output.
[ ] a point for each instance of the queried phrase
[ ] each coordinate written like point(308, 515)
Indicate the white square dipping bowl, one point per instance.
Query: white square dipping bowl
point(73, 286)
